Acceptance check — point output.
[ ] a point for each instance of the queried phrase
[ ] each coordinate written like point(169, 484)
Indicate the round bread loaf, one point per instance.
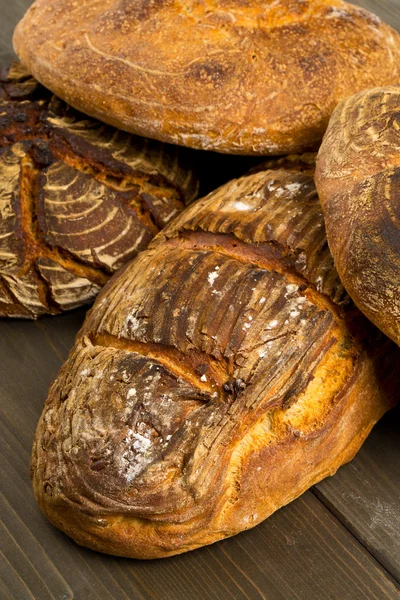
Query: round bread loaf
point(358, 179)
point(218, 376)
point(78, 199)
point(254, 77)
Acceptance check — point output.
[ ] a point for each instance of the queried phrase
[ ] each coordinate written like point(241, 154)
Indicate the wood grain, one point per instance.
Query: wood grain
point(301, 552)
point(304, 551)
point(365, 495)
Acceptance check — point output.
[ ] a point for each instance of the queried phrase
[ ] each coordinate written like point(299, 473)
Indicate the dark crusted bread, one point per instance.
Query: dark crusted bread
point(358, 178)
point(253, 77)
point(78, 199)
point(218, 376)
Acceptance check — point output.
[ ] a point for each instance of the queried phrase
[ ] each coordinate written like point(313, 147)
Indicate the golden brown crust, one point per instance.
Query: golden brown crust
point(270, 477)
point(254, 77)
point(78, 199)
point(217, 377)
point(358, 178)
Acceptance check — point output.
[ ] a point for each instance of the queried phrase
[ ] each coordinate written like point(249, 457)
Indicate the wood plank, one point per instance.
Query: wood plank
point(45, 586)
point(33, 352)
point(11, 12)
point(365, 495)
point(301, 552)
point(38, 541)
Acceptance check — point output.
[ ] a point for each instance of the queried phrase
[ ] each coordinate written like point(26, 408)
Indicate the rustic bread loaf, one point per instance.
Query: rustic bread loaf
point(218, 376)
point(77, 199)
point(358, 178)
point(254, 77)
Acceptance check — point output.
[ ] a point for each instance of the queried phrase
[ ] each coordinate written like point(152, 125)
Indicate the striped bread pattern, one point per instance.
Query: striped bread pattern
point(217, 377)
point(358, 178)
point(78, 199)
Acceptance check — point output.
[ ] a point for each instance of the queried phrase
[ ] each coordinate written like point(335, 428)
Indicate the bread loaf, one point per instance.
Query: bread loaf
point(254, 77)
point(77, 199)
point(358, 178)
point(218, 376)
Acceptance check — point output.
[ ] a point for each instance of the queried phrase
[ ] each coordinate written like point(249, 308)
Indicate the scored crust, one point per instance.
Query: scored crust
point(236, 77)
point(78, 199)
point(217, 377)
point(358, 178)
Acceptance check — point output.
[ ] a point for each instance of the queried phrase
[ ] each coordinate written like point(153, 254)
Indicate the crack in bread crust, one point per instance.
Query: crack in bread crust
point(265, 255)
point(189, 367)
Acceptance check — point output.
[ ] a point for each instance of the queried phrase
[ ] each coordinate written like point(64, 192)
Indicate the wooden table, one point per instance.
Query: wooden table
point(340, 540)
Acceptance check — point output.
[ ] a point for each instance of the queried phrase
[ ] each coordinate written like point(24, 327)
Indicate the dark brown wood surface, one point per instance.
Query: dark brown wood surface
point(341, 540)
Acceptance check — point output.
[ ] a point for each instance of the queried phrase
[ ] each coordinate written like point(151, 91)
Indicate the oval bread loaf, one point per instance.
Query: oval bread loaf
point(254, 77)
point(78, 199)
point(218, 376)
point(358, 179)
